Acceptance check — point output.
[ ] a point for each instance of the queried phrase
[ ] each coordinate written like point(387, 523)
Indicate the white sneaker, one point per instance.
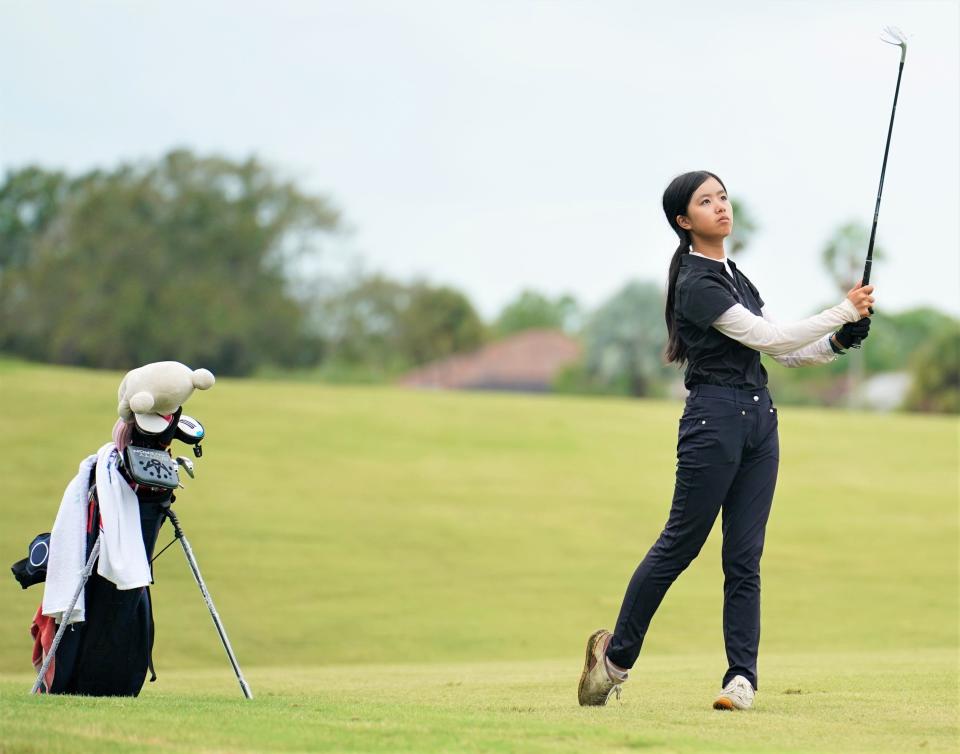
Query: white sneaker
point(738, 694)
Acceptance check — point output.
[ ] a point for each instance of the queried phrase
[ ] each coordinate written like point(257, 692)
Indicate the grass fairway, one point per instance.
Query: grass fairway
point(864, 702)
point(406, 571)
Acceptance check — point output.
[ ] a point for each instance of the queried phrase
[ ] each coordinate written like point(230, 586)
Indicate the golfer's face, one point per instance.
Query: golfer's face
point(709, 212)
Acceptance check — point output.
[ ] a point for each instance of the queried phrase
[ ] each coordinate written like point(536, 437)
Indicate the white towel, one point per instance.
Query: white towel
point(68, 548)
point(123, 558)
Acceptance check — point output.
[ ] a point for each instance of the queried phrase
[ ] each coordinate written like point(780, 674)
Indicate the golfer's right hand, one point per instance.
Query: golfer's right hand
point(860, 297)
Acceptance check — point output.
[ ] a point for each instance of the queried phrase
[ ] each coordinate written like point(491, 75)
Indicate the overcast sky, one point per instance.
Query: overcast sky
point(503, 145)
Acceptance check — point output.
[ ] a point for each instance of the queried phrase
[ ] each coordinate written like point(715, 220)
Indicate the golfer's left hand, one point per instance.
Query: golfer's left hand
point(861, 296)
point(853, 333)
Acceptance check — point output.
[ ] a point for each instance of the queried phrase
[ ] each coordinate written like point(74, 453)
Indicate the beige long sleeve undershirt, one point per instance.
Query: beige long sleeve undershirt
point(794, 344)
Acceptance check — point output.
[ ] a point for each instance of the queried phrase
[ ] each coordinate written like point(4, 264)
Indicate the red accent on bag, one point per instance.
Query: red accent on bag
point(43, 629)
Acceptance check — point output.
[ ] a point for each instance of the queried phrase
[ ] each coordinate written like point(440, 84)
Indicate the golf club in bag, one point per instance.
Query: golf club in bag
point(892, 36)
point(120, 622)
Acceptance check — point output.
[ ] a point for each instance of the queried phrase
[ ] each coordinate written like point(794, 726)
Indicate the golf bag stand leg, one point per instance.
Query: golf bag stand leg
point(178, 532)
point(64, 621)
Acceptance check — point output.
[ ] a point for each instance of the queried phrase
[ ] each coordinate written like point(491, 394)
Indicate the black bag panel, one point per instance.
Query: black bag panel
point(110, 652)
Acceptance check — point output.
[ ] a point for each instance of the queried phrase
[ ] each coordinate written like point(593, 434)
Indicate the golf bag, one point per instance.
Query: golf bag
point(110, 651)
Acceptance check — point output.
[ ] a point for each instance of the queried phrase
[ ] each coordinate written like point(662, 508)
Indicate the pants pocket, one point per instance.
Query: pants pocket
point(710, 431)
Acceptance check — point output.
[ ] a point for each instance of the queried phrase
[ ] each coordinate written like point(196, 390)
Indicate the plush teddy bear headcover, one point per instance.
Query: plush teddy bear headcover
point(154, 391)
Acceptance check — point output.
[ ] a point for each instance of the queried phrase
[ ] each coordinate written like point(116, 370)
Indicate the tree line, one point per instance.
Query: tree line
point(221, 263)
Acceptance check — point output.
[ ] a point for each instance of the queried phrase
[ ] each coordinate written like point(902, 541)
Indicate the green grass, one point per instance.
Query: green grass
point(419, 572)
point(861, 702)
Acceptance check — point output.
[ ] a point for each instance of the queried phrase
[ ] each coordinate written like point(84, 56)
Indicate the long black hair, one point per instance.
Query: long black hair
point(676, 199)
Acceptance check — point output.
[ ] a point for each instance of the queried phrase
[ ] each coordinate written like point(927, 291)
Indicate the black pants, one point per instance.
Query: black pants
point(728, 452)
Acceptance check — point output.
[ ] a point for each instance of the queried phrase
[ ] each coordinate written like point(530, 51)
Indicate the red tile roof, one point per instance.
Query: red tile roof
point(527, 361)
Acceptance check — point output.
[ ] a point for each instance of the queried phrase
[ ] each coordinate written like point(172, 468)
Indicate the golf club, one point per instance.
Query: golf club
point(893, 36)
point(187, 465)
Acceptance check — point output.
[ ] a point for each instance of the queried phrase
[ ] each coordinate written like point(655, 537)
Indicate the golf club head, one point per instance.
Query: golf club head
point(187, 465)
point(894, 36)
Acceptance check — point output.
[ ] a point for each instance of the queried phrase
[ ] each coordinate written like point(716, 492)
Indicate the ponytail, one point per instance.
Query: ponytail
point(676, 199)
point(676, 349)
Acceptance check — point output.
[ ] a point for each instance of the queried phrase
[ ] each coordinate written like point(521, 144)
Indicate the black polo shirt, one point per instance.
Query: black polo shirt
point(705, 291)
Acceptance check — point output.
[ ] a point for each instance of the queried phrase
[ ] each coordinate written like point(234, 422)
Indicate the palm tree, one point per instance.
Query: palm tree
point(845, 252)
point(744, 226)
point(843, 257)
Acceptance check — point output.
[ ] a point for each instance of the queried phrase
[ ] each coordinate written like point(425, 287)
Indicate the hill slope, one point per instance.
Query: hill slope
point(374, 525)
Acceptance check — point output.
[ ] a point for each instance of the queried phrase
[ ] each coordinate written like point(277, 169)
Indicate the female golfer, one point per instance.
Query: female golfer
point(728, 449)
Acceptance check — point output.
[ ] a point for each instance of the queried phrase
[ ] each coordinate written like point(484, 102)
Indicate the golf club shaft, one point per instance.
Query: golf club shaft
point(84, 576)
point(244, 686)
point(883, 170)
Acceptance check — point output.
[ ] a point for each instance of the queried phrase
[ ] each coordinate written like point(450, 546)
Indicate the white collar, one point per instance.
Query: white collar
point(722, 260)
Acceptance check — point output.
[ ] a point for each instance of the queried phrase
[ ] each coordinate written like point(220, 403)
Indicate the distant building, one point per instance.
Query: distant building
point(883, 392)
point(526, 362)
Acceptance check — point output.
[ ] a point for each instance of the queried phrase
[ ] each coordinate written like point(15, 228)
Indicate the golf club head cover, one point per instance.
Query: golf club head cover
point(189, 430)
point(159, 441)
point(154, 391)
point(151, 467)
point(33, 568)
point(853, 333)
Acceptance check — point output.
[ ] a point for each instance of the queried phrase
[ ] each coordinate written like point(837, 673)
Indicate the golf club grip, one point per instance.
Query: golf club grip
point(866, 273)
